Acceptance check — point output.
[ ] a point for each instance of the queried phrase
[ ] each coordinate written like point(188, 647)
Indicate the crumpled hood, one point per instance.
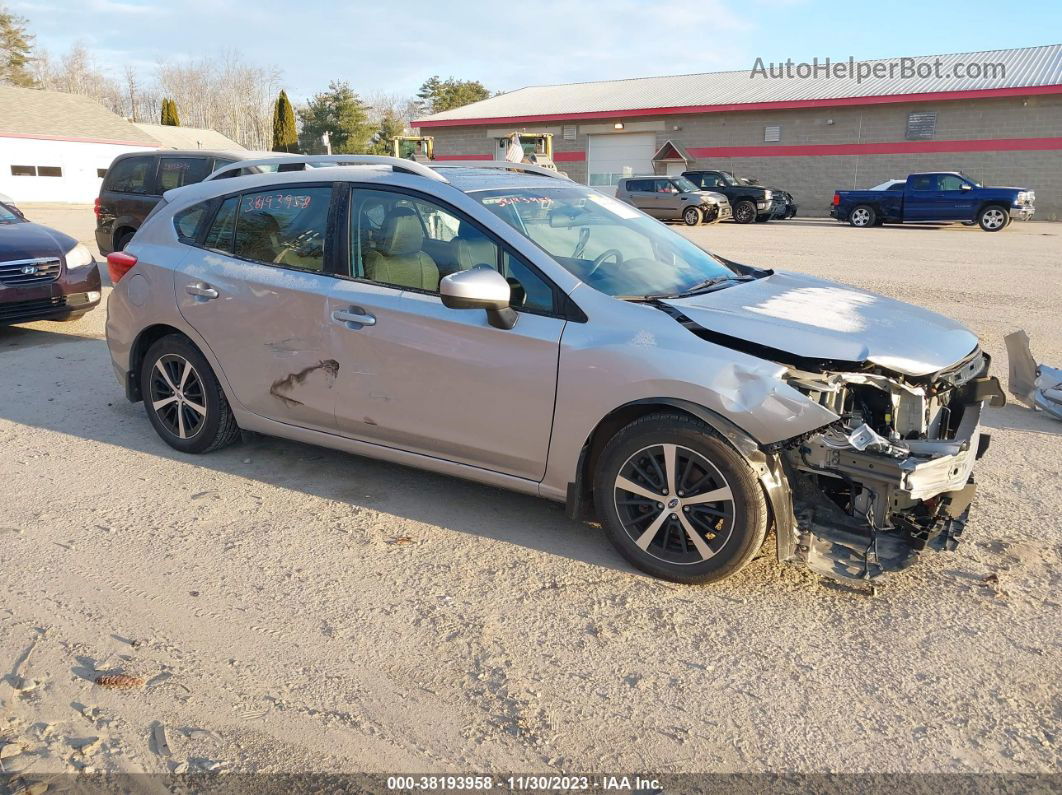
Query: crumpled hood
point(817, 319)
point(29, 240)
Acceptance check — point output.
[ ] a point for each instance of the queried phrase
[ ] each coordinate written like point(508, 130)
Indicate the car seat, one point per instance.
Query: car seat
point(398, 257)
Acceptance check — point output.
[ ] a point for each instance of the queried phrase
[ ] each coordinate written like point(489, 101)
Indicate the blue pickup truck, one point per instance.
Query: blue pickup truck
point(934, 197)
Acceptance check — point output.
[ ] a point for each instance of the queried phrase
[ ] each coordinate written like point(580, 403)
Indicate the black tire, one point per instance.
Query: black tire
point(692, 216)
point(729, 530)
point(122, 240)
point(863, 216)
point(993, 218)
point(204, 431)
point(744, 212)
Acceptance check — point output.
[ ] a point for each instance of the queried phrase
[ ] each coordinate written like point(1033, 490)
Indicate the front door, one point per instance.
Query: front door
point(415, 375)
point(954, 198)
point(256, 290)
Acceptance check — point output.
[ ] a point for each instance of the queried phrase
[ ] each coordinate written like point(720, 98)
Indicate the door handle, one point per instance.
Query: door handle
point(202, 290)
point(355, 315)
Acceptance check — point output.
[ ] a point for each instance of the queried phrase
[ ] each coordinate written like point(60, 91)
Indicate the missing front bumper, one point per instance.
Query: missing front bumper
point(897, 507)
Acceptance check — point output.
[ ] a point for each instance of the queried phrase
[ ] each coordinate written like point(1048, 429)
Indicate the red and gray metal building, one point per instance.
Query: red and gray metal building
point(809, 135)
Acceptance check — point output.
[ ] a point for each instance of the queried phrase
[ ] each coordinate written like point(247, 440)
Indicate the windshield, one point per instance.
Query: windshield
point(971, 180)
point(729, 178)
point(684, 185)
point(607, 244)
point(8, 216)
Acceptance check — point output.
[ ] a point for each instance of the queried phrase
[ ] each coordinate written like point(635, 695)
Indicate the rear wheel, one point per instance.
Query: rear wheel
point(677, 501)
point(863, 215)
point(183, 399)
point(993, 218)
point(691, 216)
point(744, 212)
point(121, 240)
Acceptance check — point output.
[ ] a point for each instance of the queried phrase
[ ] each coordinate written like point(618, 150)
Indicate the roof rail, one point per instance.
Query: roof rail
point(396, 163)
point(501, 165)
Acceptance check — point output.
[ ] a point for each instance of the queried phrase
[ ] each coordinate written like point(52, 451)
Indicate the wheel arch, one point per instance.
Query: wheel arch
point(579, 503)
point(144, 340)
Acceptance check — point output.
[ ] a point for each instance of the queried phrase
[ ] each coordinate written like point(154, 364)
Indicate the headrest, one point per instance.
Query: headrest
point(401, 233)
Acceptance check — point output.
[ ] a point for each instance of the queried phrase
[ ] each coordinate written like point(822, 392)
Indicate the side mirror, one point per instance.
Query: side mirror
point(480, 287)
point(966, 186)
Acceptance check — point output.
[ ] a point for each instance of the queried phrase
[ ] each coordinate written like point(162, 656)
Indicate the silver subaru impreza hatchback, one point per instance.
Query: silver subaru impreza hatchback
point(501, 323)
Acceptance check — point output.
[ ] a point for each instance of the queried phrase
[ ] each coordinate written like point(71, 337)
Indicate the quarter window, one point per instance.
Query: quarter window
point(412, 243)
point(284, 226)
point(187, 222)
point(131, 175)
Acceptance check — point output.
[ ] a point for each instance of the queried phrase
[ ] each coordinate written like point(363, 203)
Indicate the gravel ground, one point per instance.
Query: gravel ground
point(295, 609)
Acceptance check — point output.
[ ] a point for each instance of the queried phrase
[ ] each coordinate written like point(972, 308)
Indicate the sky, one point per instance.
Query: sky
point(391, 47)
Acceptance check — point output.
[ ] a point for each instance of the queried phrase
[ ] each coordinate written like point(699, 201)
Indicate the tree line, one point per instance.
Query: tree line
point(242, 101)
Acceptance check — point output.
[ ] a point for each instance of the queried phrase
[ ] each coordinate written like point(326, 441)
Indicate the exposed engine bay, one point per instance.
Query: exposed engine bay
point(893, 475)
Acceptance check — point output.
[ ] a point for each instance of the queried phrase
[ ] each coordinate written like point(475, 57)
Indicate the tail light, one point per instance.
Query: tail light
point(119, 263)
point(96, 208)
point(836, 199)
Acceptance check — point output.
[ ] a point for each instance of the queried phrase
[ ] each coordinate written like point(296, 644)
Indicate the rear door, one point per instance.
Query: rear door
point(256, 288)
point(920, 199)
point(175, 172)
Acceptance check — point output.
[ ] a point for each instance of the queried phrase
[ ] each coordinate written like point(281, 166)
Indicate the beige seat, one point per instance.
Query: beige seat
point(398, 257)
point(472, 248)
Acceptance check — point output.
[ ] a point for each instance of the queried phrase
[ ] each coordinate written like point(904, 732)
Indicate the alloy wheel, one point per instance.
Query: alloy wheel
point(674, 504)
point(177, 396)
point(860, 217)
point(993, 218)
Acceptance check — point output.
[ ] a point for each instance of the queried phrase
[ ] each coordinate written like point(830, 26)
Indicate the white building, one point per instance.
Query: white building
point(56, 147)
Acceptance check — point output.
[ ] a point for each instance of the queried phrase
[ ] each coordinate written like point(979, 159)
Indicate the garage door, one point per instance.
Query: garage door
point(615, 156)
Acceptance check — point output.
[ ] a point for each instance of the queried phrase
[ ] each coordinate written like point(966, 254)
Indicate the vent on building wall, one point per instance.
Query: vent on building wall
point(569, 132)
point(772, 132)
point(921, 125)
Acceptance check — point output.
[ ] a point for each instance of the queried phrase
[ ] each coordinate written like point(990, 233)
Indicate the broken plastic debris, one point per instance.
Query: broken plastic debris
point(1036, 385)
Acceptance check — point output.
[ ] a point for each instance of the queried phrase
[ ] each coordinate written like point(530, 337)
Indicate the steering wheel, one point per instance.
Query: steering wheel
point(600, 258)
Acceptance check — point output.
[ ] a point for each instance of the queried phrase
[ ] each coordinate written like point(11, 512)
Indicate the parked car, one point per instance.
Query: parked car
point(504, 324)
point(44, 274)
point(890, 184)
point(749, 202)
point(673, 199)
point(135, 182)
point(935, 196)
point(9, 203)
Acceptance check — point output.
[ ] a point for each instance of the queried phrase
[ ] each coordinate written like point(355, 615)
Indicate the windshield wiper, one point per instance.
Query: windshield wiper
point(708, 284)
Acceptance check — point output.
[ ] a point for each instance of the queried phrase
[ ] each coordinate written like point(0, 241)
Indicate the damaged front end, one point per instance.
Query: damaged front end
point(893, 475)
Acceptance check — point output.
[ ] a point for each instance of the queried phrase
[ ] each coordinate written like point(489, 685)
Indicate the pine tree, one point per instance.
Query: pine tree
point(285, 137)
point(339, 112)
point(16, 50)
point(169, 113)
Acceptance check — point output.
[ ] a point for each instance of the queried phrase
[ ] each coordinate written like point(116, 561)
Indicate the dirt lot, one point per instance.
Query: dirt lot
point(296, 609)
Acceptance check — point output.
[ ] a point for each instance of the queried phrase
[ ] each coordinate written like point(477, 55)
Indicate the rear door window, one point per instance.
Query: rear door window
point(175, 172)
point(285, 226)
point(131, 175)
point(922, 182)
point(219, 236)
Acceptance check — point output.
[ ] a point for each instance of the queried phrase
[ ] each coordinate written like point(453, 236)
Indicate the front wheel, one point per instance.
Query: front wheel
point(677, 501)
point(863, 216)
point(745, 212)
point(183, 399)
point(993, 219)
point(691, 216)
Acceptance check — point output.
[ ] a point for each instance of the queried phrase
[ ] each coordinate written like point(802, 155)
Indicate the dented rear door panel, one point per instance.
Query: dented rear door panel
point(269, 330)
